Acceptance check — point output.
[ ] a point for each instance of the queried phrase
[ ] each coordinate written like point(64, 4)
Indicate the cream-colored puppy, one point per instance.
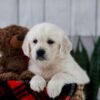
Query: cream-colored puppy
point(49, 48)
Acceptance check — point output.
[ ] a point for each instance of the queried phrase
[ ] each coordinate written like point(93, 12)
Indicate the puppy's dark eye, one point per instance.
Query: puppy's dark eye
point(35, 41)
point(50, 42)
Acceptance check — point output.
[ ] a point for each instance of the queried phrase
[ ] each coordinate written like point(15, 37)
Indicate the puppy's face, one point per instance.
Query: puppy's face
point(45, 43)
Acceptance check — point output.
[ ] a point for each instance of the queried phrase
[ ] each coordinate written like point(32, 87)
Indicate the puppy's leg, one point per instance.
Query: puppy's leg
point(37, 83)
point(57, 82)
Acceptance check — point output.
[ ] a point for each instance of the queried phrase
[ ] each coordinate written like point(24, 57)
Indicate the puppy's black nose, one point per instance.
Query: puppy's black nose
point(40, 52)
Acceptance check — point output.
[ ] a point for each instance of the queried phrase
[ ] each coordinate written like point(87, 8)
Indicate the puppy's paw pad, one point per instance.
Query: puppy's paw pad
point(37, 83)
point(53, 89)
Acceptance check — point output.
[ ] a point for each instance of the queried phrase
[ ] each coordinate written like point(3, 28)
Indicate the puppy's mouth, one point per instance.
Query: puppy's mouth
point(41, 58)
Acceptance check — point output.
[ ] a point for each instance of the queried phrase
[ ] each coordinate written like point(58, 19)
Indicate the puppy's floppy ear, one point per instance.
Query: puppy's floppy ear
point(66, 45)
point(26, 46)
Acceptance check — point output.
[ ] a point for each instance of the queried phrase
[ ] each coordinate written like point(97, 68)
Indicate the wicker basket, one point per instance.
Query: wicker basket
point(79, 94)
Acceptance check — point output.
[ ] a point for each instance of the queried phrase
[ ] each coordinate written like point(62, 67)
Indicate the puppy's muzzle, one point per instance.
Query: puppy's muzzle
point(40, 54)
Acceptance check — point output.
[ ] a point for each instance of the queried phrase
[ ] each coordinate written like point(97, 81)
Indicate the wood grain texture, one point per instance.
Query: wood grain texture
point(8, 12)
point(31, 12)
point(58, 12)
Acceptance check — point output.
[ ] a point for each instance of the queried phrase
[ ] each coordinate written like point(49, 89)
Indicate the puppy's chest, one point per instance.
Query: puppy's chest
point(48, 73)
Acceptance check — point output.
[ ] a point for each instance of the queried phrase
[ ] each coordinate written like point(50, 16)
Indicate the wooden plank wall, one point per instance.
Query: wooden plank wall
point(80, 17)
point(76, 17)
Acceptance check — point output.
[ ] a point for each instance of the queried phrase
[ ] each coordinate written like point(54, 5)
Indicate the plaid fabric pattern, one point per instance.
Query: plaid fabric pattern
point(17, 90)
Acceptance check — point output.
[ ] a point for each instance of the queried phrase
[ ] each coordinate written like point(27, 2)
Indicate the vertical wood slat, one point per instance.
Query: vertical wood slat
point(83, 17)
point(75, 18)
point(98, 20)
point(31, 12)
point(18, 3)
point(8, 12)
point(58, 12)
point(78, 17)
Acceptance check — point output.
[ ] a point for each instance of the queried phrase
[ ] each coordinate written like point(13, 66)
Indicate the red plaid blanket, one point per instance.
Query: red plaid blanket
point(17, 90)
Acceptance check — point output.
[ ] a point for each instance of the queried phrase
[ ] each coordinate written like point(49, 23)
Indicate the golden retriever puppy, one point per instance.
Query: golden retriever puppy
point(49, 48)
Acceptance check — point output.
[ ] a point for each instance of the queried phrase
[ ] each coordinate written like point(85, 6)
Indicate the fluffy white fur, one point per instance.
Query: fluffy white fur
point(59, 67)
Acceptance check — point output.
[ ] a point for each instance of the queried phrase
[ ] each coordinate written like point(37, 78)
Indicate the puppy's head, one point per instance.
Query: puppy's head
point(46, 43)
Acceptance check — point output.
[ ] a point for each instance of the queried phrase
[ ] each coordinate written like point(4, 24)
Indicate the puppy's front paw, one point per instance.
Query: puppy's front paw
point(54, 88)
point(37, 83)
